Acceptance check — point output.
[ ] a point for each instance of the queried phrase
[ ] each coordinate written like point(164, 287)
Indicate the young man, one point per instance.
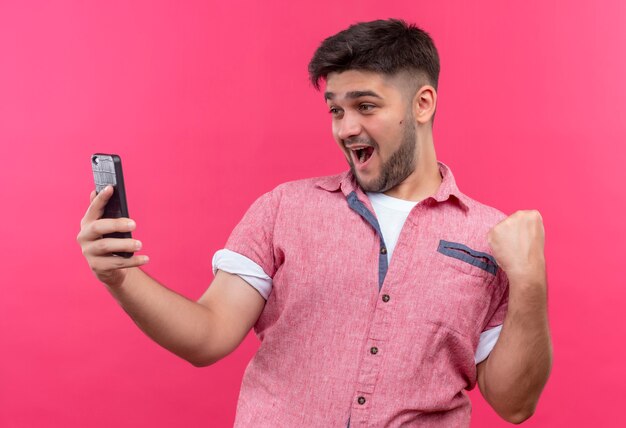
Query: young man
point(380, 294)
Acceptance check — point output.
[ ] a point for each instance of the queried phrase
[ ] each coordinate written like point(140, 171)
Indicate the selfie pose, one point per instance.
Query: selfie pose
point(380, 294)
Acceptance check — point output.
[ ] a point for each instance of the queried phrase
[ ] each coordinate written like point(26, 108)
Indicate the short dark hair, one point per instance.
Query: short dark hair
point(383, 46)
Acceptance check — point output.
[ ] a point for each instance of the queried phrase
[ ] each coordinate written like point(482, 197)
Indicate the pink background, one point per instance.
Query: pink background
point(209, 106)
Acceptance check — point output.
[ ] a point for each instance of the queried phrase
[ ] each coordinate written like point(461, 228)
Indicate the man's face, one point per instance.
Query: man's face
point(374, 127)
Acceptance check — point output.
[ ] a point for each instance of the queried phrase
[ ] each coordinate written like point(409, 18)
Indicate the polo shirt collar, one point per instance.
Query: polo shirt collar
point(346, 182)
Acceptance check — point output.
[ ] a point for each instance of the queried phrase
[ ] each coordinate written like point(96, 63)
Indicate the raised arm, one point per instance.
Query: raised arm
point(512, 377)
point(201, 332)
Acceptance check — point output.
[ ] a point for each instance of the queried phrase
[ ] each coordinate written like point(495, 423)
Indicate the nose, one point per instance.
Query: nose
point(348, 126)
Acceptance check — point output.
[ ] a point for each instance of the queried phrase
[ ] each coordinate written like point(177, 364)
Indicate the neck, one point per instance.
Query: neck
point(425, 179)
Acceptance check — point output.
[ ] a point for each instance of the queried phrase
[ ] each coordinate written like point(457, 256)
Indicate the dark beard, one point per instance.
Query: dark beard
point(399, 166)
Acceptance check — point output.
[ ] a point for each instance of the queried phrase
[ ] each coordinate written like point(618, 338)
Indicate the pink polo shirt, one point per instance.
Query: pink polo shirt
point(345, 338)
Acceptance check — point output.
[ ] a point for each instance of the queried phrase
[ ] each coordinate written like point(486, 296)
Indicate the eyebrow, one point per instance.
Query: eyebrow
point(353, 95)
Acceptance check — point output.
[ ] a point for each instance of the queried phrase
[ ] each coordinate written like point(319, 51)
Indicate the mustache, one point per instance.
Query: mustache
point(360, 140)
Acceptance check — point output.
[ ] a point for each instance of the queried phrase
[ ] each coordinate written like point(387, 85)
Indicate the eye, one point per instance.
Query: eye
point(335, 111)
point(366, 107)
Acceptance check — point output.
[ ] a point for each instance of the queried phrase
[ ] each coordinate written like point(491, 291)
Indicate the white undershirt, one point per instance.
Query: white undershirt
point(391, 214)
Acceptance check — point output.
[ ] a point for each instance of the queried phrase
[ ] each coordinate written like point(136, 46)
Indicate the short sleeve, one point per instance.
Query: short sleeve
point(253, 237)
point(487, 341)
point(495, 319)
point(246, 269)
point(499, 301)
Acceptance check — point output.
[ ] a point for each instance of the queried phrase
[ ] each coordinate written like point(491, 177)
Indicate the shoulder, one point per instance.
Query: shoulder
point(307, 187)
point(299, 193)
point(306, 198)
point(482, 213)
point(473, 226)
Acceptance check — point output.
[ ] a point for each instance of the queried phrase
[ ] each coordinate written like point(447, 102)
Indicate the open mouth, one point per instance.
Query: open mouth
point(362, 154)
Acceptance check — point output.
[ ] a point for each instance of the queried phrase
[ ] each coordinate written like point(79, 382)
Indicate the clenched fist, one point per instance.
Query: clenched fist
point(517, 243)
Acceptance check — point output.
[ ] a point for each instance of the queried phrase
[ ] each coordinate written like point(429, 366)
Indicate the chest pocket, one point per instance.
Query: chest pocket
point(471, 257)
point(459, 288)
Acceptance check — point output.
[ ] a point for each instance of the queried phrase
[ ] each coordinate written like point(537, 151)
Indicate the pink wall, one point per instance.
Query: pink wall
point(209, 105)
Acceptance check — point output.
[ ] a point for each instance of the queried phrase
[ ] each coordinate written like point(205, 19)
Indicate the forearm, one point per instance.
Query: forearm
point(519, 365)
point(173, 321)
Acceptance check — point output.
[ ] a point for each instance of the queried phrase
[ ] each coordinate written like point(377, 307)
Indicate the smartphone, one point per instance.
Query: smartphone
point(107, 170)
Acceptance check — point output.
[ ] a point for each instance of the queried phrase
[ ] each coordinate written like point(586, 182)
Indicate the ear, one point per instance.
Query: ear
point(424, 104)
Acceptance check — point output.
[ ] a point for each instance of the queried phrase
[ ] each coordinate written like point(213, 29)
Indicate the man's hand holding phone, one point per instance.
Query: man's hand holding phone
point(98, 251)
point(202, 331)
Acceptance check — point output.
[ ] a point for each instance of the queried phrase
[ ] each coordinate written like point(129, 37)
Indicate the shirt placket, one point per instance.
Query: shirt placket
point(371, 362)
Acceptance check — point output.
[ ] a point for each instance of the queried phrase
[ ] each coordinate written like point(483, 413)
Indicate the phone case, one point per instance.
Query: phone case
point(107, 170)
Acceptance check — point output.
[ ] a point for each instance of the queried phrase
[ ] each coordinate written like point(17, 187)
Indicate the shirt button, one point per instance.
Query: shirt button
point(374, 350)
point(386, 298)
point(383, 250)
point(361, 400)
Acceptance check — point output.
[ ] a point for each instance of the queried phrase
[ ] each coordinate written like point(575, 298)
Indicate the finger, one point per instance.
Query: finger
point(96, 229)
point(96, 207)
point(84, 220)
point(106, 246)
point(108, 263)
